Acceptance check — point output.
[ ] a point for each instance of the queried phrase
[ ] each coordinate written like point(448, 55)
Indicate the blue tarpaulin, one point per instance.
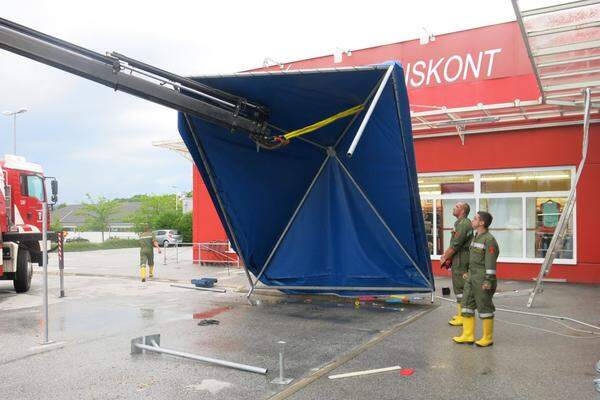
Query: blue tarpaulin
point(307, 217)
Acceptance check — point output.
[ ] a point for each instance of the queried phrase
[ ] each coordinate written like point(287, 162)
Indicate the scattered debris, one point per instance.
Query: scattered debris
point(200, 288)
point(366, 372)
point(205, 322)
point(204, 282)
point(407, 371)
point(211, 313)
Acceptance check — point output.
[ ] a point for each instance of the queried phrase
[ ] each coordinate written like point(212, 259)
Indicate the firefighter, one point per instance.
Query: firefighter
point(147, 242)
point(456, 255)
point(480, 283)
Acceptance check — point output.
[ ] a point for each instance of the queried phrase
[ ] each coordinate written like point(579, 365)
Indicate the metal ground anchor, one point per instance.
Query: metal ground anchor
point(152, 343)
point(281, 380)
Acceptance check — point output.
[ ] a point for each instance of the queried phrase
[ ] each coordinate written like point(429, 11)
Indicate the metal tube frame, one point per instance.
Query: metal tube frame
point(369, 112)
point(289, 224)
point(329, 152)
point(389, 230)
point(204, 160)
point(46, 339)
point(154, 347)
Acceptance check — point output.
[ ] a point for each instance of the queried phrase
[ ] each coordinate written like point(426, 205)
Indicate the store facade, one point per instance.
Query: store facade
point(483, 136)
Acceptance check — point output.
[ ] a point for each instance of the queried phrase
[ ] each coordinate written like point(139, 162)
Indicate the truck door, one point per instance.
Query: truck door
point(30, 203)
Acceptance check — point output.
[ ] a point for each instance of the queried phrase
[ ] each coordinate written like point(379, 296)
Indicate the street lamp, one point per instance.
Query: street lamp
point(176, 196)
point(14, 115)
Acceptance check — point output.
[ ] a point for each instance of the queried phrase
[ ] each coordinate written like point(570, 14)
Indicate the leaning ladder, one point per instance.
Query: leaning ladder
point(563, 221)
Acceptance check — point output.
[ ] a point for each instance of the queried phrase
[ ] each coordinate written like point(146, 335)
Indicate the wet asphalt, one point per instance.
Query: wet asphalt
point(106, 307)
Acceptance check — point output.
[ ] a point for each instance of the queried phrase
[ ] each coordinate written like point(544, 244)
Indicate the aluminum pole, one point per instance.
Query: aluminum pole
point(15, 133)
point(45, 266)
point(367, 117)
point(243, 367)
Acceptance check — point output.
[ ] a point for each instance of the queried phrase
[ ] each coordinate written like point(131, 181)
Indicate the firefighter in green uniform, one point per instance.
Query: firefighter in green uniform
point(456, 255)
point(480, 283)
point(147, 242)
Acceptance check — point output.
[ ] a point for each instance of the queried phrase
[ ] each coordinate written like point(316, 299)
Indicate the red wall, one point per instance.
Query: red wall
point(206, 226)
point(559, 146)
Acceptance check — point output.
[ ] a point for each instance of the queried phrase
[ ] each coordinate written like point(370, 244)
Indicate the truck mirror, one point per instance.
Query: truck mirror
point(54, 188)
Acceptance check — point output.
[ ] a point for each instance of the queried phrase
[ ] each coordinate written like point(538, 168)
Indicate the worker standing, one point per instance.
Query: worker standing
point(480, 283)
point(147, 244)
point(456, 256)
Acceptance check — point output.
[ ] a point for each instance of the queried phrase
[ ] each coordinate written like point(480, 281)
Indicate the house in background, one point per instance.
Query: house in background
point(73, 221)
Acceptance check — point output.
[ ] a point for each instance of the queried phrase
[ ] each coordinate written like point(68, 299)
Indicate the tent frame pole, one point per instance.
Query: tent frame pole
point(289, 224)
point(346, 129)
point(367, 99)
point(372, 106)
point(191, 128)
point(414, 187)
point(364, 195)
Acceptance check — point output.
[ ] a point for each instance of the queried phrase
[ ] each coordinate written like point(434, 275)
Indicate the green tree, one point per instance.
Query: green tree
point(158, 211)
point(98, 213)
point(184, 226)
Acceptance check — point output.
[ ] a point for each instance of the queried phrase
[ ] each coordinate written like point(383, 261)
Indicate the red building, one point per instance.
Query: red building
point(483, 135)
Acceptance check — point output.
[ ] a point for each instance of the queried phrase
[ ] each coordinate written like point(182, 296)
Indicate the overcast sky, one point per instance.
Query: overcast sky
point(98, 141)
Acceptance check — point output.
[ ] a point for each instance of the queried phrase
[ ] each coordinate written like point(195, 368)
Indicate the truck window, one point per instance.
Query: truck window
point(35, 187)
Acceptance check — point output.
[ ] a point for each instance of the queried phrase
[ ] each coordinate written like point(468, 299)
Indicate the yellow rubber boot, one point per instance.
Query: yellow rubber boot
point(151, 274)
point(468, 333)
point(488, 333)
point(143, 273)
point(457, 320)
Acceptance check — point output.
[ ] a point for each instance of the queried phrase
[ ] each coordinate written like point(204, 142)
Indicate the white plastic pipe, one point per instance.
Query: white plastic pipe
point(367, 117)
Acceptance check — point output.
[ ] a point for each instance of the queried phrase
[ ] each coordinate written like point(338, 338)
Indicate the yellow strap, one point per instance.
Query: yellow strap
point(325, 122)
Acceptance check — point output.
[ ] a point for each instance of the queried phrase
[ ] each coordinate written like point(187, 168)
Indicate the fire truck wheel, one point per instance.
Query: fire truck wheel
point(22, 280)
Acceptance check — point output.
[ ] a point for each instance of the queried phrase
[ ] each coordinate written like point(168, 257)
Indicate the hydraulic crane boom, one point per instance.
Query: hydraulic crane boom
point(139, 79)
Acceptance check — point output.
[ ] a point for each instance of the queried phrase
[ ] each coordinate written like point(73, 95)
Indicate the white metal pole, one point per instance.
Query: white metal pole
point(243, 367)
point(367, 117)
point(15, 133)
point(45, 266)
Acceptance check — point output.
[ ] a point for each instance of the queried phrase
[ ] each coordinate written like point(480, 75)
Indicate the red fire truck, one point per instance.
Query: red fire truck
point(21, 202)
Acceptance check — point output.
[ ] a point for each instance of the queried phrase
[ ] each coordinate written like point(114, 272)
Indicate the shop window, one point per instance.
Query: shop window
point(507, 225)
point(526, 181)
point(542, 218)
point(526, 205)
point(430, 185)
point(427, 207)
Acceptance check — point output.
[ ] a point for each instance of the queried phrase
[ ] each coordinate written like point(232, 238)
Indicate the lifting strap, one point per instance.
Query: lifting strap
point(325, 122)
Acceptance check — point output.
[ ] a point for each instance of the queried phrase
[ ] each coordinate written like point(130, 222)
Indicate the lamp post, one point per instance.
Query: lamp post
point(176, 196)
point(14, 115)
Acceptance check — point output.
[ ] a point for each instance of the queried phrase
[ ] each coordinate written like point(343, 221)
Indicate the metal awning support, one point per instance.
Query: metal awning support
point(152, 343)
point(563, 221)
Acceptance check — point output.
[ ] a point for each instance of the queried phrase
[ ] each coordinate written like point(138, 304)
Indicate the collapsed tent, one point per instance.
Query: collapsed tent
point(306, 216)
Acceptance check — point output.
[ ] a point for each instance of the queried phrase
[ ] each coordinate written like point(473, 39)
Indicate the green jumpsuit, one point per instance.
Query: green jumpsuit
point(482, 269)
point(460, 241)
point(147, 248)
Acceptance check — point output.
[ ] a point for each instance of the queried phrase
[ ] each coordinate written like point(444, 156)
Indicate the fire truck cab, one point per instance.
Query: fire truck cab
point(21, 202)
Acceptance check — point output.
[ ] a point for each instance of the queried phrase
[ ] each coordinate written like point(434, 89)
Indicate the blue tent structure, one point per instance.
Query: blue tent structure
point(332, 211)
